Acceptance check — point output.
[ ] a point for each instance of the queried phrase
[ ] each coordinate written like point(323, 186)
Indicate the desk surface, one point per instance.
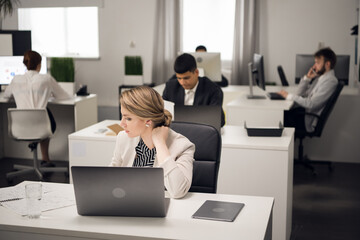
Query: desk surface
point(251, 223)
point(97, 132)
point(236, 137)
point(72, 101)
point(232, 136)
point(243, 102)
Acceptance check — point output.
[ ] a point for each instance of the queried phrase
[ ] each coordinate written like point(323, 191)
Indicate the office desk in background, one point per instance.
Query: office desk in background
point(256, 112)
point(262, 166)
point(252, 223)
point(70, 115)
point(92, 146)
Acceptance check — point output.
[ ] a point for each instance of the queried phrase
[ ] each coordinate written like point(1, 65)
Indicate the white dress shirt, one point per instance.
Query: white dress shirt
point(190, 95)
point(33, 90)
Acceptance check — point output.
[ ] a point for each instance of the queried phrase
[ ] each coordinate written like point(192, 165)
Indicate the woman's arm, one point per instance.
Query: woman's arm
point(177, 162)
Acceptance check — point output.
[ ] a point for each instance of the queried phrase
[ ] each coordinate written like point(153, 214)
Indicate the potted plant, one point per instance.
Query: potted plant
point(6, 8)
point(133, 70)
point(63, 70)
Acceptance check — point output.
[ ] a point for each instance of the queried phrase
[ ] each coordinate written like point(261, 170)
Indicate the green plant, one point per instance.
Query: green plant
point(62, 69)
point(133, 65)
point(7, 8)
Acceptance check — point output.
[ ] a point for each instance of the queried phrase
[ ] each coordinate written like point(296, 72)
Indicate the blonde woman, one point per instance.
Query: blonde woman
point(148, 141)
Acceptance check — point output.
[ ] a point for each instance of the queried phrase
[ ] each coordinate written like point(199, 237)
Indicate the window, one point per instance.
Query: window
point(62, 32)
point(209, 23)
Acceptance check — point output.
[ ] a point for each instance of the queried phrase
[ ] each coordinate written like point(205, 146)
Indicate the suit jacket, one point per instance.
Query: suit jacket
point(207, 93)
point(178, 168)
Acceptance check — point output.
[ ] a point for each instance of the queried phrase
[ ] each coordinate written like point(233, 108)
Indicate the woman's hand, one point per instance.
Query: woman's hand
point(159, 135)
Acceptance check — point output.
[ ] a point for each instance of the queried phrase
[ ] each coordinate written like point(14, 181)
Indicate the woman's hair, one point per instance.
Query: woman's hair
point(145, 102)
point(31, 60)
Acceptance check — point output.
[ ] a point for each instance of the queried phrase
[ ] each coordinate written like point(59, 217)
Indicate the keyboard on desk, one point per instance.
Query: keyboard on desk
point(275, 96)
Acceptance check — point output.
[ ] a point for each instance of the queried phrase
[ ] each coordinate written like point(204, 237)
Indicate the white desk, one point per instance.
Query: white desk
point(90, 147)
point(70, 116)
point(252, 223)
point(263, 166)
point(260, 166)
point(256, 112)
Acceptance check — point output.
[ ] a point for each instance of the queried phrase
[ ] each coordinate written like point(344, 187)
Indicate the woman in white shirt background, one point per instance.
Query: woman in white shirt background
point(32, 91)
point(147, 140)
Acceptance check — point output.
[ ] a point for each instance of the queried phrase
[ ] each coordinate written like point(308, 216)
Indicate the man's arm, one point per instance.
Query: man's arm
point(318, 99)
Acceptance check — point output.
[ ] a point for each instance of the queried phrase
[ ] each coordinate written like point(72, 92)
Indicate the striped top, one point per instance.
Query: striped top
point(144, 156)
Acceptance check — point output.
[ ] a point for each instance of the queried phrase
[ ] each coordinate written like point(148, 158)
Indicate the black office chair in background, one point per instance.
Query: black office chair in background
point(33, 126)
point(322, 119)
point(283, 79)
point(207, 142)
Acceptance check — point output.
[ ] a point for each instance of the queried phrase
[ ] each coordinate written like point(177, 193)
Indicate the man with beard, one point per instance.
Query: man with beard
point(315, 88)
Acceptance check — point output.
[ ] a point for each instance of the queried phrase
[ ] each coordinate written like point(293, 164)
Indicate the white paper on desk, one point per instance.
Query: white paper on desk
point(16, 192)
point(50, 201)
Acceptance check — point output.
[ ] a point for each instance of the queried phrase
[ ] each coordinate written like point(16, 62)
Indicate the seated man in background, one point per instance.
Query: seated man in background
point(190, 89)
point(315, 88)
point(224, 82)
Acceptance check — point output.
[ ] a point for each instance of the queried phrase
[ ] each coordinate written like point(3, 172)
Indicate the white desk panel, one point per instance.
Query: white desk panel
point(260, 166)
point(256, 112)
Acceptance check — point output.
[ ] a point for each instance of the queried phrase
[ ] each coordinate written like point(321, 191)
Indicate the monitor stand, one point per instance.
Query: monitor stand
point(251, 95)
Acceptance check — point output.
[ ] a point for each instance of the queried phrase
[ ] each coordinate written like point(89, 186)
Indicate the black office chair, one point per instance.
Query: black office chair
point(301, 134)
point(283, 79)
point(207, 142)
point(33, 126)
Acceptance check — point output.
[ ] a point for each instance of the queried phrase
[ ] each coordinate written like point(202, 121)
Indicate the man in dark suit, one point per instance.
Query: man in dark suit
point(187, 88)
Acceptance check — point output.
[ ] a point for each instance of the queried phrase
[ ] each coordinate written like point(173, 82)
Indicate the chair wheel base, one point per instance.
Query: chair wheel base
point(307, 163)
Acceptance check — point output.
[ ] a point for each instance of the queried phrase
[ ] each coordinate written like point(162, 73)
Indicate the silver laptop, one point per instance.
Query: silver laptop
point(119, 191)
point(205, 114)
point(218, 210)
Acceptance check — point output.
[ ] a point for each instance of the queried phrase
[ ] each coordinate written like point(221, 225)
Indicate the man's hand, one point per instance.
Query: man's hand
point(283, 93)
point(311, 73)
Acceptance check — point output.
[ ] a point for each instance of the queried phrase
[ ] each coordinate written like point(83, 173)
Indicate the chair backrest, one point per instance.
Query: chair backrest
point(327, 110)
point(29, 124)
point(207, 142)
point(283, 79)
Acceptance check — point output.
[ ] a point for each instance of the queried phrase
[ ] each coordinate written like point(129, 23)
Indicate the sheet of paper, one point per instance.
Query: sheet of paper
point(54, 197)
point(16, 192)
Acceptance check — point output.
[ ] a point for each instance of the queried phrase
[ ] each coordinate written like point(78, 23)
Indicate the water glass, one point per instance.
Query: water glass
point(33, 194)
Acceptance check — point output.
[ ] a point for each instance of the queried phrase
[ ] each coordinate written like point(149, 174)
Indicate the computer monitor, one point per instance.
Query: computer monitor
point(256, 75)
point(305, 61)
point(209, 64)
point(13, 65)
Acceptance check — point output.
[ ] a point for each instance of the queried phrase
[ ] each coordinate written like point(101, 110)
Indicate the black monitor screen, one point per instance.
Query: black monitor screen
point(258, 70)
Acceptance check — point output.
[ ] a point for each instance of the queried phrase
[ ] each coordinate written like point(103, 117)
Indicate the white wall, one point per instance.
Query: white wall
point(120, 22)
point(288, 27)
